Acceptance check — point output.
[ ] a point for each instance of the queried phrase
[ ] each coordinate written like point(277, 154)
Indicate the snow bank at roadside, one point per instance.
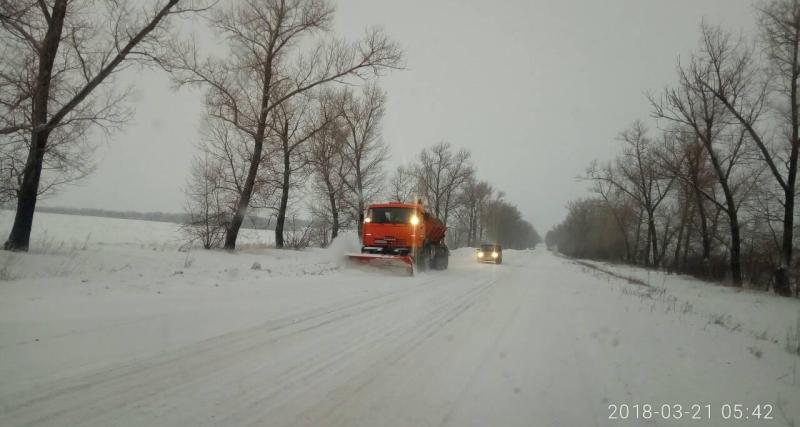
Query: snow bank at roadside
point(735, 309)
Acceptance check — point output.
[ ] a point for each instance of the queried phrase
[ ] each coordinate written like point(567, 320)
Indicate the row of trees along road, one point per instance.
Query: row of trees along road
point(340, 169)
point(447, 183)
point(284, 118)
point(711, 191)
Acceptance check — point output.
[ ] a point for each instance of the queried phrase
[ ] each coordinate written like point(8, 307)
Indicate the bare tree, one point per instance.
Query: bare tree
point(441, 174)
point(403, 185)
point(267, 66)
point(363, 151)
point(293, 124)
point(300, 233)
point(205, 204)
point(618, 203)
point(472, 199)
point(684, 156)
point(216, 180)
point(694, 104)
point(637, 173)
point(56, 82)
point(733, 81)
point(325, 158)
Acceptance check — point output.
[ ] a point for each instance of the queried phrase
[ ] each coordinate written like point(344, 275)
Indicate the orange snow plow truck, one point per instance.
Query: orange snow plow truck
point(402, 237)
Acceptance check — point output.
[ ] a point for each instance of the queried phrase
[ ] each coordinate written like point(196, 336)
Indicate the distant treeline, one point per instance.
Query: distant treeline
point(251, 222)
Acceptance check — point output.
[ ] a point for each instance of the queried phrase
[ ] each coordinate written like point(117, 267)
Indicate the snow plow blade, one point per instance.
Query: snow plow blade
point(400, 264)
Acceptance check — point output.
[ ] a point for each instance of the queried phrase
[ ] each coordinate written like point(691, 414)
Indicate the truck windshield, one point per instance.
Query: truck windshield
point(390, 215)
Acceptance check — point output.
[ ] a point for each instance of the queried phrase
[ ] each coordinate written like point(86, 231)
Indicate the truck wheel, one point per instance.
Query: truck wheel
point(440, 259)
point(423, 258)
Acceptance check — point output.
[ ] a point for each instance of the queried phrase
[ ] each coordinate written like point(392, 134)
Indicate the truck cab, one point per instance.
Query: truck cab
point(393, 228)
point(405, 229)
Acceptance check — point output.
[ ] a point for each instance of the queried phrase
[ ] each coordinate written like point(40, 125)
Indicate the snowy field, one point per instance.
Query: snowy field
point(122, 329)
point(58, 232)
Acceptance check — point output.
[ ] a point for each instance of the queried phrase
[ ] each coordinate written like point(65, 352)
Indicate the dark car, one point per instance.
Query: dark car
point(490, 253)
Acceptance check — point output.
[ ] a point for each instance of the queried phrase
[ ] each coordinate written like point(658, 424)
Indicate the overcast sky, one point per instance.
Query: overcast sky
point(534, 89)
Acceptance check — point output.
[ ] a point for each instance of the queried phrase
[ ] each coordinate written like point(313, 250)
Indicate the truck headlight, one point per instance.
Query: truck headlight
point(495, 255)
point(414, 220)
point(480, 254)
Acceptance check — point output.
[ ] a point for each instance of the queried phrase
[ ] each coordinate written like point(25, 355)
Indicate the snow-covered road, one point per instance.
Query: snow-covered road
point(537, 341)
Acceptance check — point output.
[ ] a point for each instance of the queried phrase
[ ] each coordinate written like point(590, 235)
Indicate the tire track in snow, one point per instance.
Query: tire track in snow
point(479, 369)
point(385, 348)
point(157, 372)
point(141, 384)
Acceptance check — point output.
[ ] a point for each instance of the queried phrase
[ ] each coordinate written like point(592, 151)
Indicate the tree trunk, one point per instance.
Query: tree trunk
point(19, 238)
point(479, 234)
point(446, 209)
point(638, 238)
point(679, 239)
point(361, 202)
point(244, 199)
point(651, 225)
point(334, 210)
point(736, 243)
point(648, 242)
point(470, 227)
point(782, 285)
point(361, 208)
point(621, 227)
point(705, 236)
point(281, 219)
point(733, 216)
point(284, 202)
point(686, 244)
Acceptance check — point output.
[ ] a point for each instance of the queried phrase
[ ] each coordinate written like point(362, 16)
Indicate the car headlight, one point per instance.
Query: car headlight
point(495, 255)
point(480, 254)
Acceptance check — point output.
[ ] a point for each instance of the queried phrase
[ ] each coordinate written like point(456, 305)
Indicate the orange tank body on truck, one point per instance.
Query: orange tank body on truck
point(400, 225)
